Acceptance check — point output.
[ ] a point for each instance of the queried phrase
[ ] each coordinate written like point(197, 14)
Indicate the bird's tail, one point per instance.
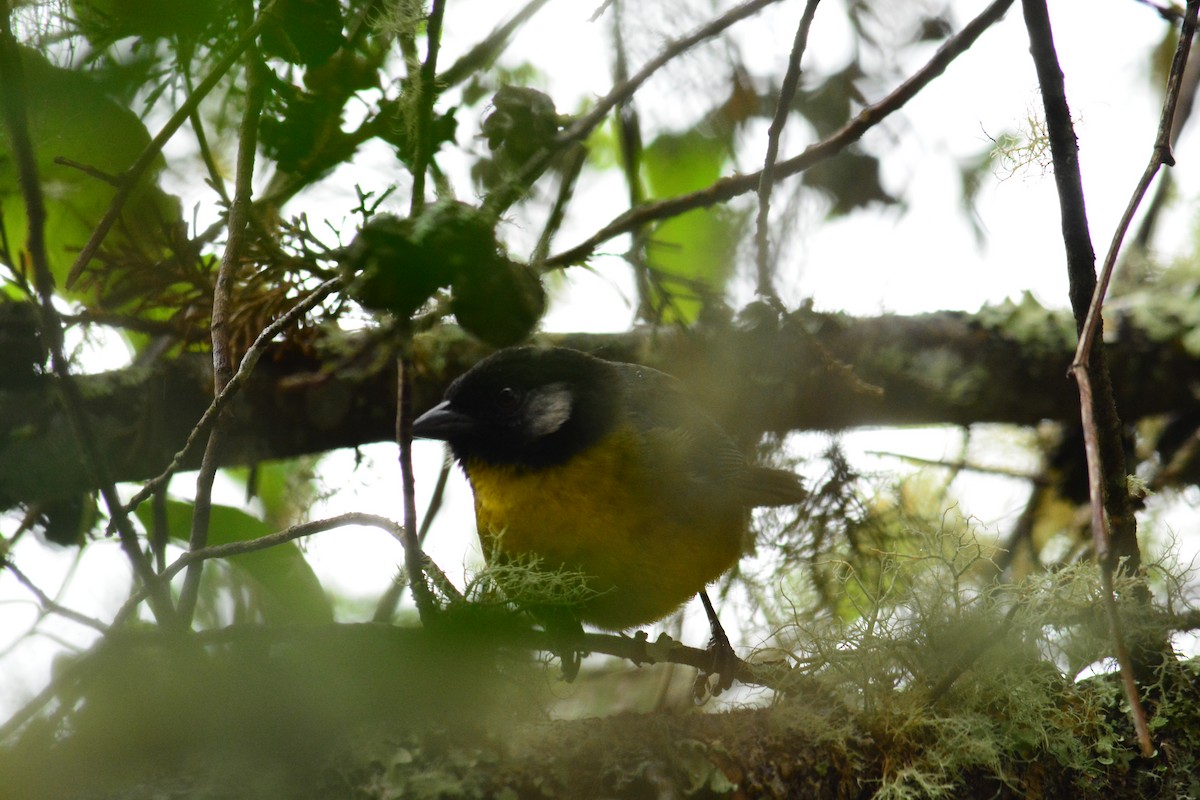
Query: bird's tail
point(773, 487)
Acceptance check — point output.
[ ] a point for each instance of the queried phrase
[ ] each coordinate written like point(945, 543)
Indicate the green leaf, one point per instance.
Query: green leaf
point(284, 487)
point(291, 593)
point(678, 163)
point(692, 255)
point(71, 117)
point(105, 21)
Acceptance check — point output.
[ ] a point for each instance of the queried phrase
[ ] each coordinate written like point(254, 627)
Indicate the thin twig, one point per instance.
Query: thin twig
point(1160, 155)
point(222, 312)
point(484, 54)
point(959, 464)
point(727, 188)
point(413, 561)
point(249, 360)
point(130, 177)
point(385, 609)
point(1169, 13)
point(71, 670)
point(1102, 470)
point(210, 163)
point(571, 170)
point(619, 94)
point(787, 92)
point(192, 557)
point(78, 667)
point(15, 118)
point(89, 170)
point(629, 138)
point(426, 97)
point(48, 604)
point(622, 92)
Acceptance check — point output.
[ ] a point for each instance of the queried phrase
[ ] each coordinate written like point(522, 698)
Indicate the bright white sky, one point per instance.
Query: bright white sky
point(904, 262)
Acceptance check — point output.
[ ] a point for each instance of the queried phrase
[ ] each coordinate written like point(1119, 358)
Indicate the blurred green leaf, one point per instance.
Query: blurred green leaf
point(291, 592)
point(285, 487)
point(691, 255)
point(105, 21)
point(71, 117)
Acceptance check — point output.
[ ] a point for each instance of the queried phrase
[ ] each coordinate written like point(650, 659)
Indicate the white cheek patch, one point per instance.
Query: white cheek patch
point(548, 409)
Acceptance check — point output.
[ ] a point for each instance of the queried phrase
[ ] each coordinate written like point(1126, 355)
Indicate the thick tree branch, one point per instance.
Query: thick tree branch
point(1003, 365)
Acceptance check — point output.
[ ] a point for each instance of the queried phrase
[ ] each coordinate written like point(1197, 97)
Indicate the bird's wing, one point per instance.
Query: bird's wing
point(691, 448)
point(687, 446)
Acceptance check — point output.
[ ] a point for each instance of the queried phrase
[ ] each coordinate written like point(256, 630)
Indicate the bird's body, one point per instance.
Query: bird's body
point(602, 469)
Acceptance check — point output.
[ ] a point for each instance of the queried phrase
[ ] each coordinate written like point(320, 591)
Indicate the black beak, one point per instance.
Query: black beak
point(440, 422)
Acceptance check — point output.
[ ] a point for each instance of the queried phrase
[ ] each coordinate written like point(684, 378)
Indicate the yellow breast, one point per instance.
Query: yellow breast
point(644, 548)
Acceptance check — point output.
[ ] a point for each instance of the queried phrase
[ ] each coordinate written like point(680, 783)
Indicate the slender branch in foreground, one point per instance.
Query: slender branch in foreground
point(1101, 427)
point(620, 94)
point(1161, 155)
point(413, 558)
point(426, 98)
point(385, 609)
point(130, 177)
point(79, 666)
point(787, 92)
point(231, 549)
point(16, 121)
point(227, 274)
point(48, 604)
point(246, 367)
point(484, 54)
point(727, 188)
point(960, 464)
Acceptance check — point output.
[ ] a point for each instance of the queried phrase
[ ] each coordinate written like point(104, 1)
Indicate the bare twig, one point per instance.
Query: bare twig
point(79, 667)
point(192, 557)
point(629, 138)
point(427, 95)
point(1160, 155)
point(66, 676)
point(89, 170)
point(210, 163)
point(1101, 427)
point(727, 188)
point(484, 54)
point(960, 464)
point(385, 609)
point(787, 92)
point(48, 604)
point(621, 93)
point(223, 369)
point(1169, 13)
point(249, 360)
point(130, 177)
point(413, 560)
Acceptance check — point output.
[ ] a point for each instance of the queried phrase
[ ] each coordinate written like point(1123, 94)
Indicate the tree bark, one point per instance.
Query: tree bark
point(1005, 364)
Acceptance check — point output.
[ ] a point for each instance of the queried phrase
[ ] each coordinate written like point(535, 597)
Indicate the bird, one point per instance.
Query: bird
point(603, 469)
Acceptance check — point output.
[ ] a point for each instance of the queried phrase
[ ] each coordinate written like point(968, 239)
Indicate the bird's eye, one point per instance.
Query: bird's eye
point(508, 399)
